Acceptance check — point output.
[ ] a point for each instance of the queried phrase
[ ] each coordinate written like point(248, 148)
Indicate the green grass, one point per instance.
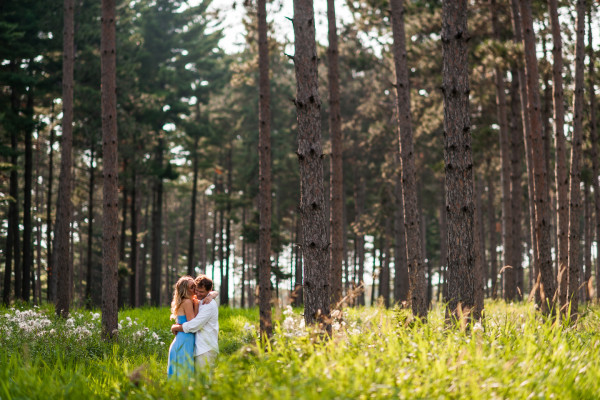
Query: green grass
point(375, 353)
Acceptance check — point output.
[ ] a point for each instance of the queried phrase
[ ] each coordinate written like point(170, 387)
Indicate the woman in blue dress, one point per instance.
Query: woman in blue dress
point(183, 309)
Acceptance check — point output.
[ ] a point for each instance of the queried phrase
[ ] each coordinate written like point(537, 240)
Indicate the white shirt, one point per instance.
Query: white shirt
point(206, 327)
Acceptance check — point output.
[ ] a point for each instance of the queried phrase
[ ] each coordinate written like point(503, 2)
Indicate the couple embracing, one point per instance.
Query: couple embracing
point(197, 329)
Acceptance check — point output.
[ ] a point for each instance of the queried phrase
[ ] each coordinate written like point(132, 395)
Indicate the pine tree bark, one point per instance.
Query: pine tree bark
point(562, 180)
point(110, 209)
point(587, 220)
point(458, 160)
point(401, 287)
point(27, 225)
point(336, 175)
point(516, 188)
point(542, 211)
point(575, 174)
point(64, 207)
point(594, 147)
point(90, 234)
point(510, 281)
point(264, 199)
point(190, 257)
point(135, 245)
point(416, 266)
point(157, 213)
point(493, 241)
point(51, 279)
point(315, 240)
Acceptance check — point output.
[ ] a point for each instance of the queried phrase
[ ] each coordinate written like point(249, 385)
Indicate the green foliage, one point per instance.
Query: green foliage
point(374, 353)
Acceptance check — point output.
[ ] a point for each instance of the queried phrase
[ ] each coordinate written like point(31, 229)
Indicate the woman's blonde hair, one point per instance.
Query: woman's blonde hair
point(182, 292)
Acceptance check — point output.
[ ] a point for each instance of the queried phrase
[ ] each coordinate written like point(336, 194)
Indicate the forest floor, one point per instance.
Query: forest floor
point(374, 353)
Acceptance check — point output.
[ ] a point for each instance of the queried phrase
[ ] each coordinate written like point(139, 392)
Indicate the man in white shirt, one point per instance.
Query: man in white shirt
point(205, 325)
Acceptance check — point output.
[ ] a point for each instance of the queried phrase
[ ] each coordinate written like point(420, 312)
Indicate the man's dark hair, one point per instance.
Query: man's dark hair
point(204, 282)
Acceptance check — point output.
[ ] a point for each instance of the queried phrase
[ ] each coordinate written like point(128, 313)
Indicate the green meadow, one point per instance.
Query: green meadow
point(373, 353)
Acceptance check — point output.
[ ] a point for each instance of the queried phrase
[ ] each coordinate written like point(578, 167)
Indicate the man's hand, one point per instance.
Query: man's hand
point(176, 328)
point(210, 297)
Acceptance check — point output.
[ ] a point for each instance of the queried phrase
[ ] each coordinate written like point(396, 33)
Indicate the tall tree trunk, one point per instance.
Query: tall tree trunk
point(51, 279)
point(298, 275)
point(225, 295)
point(135, 246)
point(336, 175)
point(264, 192)
point(244, 259)
point(493, 237)
point(360, 237)
point(142, 298)
point(110, 208)
point(510, 281)
point(157, 210)
point(37, 288)
point(587, 273)
point(542, 211)
point(191, 264)
point(562, 180)
point(401, 286)
point(27, 225)
point(443, 243)
point(203, 235)
point(458, 159)
point(479, 241)
point(594, 148)
point(416, 267)
point(516, 188)
point(64, 207)
point(315, 240)
point(213, 244)
point(575, 175)
point(384, 279)
point(90, 235)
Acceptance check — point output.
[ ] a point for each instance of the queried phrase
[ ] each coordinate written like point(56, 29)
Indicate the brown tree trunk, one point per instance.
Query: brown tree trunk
point(401, 286)
point(110, 209)
point(359, 199)
point(479, 240)
point(384, 279)
point(142, 298)
point(542, 211)
point(587, 273)
point(458, 160)
point(336, 178)
point(443, 243)
point(416, 266)
point(298, 276)
point(493, 237)
point(157, 210)
point(90, 234)
point(516, 188)
point(562, 180)
point(51, 278)
point(37, 288)
point(510, 281)
point(203, 235)
point(264, 192)
point(225, 295)
point(27, 225)
point(135, 244)
point(575, 175)
point(64, 207)
point(594, 149)
point(192, 235)
point(315, 240)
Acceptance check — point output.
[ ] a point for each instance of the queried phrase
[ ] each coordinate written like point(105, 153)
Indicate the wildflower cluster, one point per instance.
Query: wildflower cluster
point(130, 331)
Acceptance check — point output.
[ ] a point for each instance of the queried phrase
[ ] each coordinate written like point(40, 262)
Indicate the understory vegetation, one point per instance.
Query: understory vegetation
point(374, 353)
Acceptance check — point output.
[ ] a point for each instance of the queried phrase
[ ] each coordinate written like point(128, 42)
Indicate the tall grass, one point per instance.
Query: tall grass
point(374, 353)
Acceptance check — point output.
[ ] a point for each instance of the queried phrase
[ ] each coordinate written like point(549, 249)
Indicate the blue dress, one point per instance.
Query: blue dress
point(181, 353)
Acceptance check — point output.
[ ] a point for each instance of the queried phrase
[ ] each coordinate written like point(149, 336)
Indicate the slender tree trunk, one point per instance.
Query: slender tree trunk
point(492, 232)
point(416, 267)
point(110, 209)
point(135, 246)
point(360, 238)
point(142, 298)
point(27, 225)
point(90, 235)
point(401, 286)
point(594, 148)
point(64, 209)
point(542, 211)
point(443, 242)
point(479, 241)
point(516, 188)
point(190, 266)
point(51, 279)
point(298, 285)
point(37, 296)
point(384, 279)
point(157, 210)
point(510, 281)
point(587, 273)
point(225, 295)
point(315, 241)
point(244, 260)
point(458, 160)
point(203, 235)
point(336, 175)
point(374, 274)
point(562, 180)
point(575, 175)
point(213, 245)
point(264, 199)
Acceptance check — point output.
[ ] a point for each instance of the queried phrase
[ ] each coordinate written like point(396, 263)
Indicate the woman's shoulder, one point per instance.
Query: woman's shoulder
point(186, 302)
